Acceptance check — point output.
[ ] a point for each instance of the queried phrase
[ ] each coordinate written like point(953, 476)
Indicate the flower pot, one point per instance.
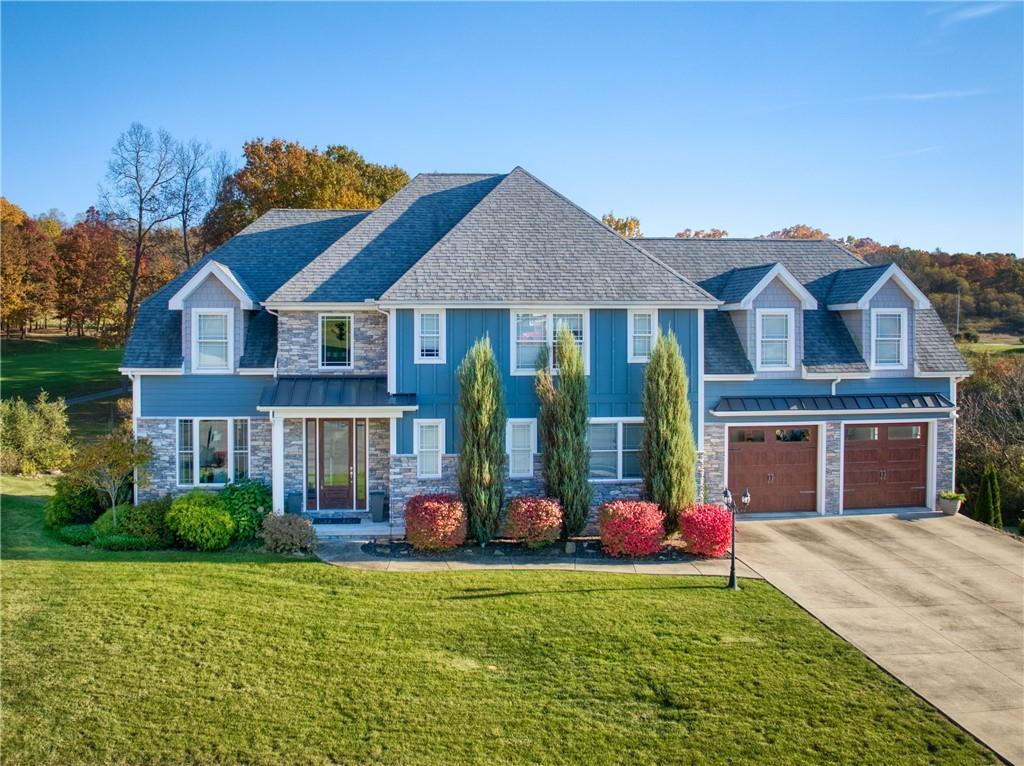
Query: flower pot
point(949, 507)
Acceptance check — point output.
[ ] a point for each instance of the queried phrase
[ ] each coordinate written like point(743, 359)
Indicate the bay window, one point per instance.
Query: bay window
point(535, 330)
point(212, 451)
point(615, 449)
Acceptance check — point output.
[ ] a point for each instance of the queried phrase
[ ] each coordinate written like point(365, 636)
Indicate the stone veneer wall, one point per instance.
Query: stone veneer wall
point(833, 455)
point(298, 349)
point(714, 462)
point(945, 455)
point(380, 459)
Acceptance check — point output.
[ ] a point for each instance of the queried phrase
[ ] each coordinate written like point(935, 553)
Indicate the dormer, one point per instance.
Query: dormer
point(766, 305)
point(213, 305)
point(878, 305)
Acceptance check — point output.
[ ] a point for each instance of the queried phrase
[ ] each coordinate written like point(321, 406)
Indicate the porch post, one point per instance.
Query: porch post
point(277, 462)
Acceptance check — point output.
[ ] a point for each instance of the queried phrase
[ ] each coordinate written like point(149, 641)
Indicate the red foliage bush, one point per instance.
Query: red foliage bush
point(435, 522)
point(707, 529)
point(631, 527)
point(537, 521)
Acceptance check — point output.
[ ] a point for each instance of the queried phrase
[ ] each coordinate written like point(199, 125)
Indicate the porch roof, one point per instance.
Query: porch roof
point(875, 403)
point(319, 392)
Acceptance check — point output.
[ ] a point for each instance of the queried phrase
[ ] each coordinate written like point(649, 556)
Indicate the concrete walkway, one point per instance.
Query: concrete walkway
point(936, 601)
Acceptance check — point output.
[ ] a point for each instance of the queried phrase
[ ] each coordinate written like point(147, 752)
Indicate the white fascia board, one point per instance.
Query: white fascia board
point(729, 377)
point(533, 303)
point(256, 371)
point(834, 375)
point(337, 412)
point(223, 274)
point(150, 370)
point(919, 373)
point(319, 307)
point(807, 301)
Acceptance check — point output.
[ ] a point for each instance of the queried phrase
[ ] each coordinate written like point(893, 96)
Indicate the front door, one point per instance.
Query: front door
point(336, 478)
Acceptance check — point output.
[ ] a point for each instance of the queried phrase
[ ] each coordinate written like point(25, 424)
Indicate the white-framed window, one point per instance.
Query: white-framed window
point(213, 340)
point(521, 445)
point(889, 339)
point(212, 451)
point(775, 342)
point(642, 329)
point(429, 336)
point(534, 329)
point(335, 341)
point(428, 444)
point(615, 448)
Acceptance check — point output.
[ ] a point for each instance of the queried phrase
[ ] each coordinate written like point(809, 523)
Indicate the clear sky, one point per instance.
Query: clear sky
point(898, 121)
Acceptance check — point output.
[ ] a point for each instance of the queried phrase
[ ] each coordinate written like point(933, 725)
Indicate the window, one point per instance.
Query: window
point(522, 441)
point(430, 336)
point(775, 339)
point(642, 326)
point(533, 330)
point(336, 341)
point(212, 340)
point(212, 451)
point(904, 432)
point(861, 434)
point(888, 329)
point(615, 450)
point(428, 444)
point(745, 436)
point(792, 434)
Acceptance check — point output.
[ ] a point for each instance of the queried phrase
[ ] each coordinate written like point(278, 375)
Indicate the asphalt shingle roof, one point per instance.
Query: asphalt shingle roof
point(739, 282)
point(723, 352)
point(849, 285)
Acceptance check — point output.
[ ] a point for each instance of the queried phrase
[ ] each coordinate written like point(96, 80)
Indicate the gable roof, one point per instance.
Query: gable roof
point(744, 285)
point(524, 242)
point(854, 288)
point(367, 260)
point(242, 292)
point(262, 256)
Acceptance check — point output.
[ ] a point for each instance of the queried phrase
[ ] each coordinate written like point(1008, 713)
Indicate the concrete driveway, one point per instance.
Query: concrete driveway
point(936, 601)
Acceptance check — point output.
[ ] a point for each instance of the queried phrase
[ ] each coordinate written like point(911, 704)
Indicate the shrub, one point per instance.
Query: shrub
point(34, 437)
point(72, 503)
point(988, 506)
point(75, 534)
point(288, 533)
point(435, 522)
point(105, 525)
point(248, 502)
point(147, 520)
point(631, 527)
point(537, 521)
point(707, 529)
point(199, 520)
point(125, 542)
point(109, 463)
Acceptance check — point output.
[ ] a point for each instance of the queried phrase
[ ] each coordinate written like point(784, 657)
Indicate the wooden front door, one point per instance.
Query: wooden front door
point(336, 470)
point(885, 465)
point(778, 464)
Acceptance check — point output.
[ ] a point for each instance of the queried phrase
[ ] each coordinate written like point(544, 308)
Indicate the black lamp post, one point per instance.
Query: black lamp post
point(727, 495)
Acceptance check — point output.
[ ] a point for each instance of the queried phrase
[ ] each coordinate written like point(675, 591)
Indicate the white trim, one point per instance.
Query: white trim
point(220, 272)
point(790, 315)
point(818, 413)
point(326, 307)
point(554, 305)
point(392, 351)
point(701, 404)
point(778, 271)
point(631, 357)
point(532, 423)
point(320, 342)
point(196, 419)
point(619, 421)
point(442, 339)
point(895, 273)
point(229, 315)
point(723, 378)
point(904, 332)
point(549, 329)
point(919, 373)
point(337, 412)
point(256, 371)
point(836, 376)
point(277, 464)
point(392, 436)
point(416, 423)
point(151, 370)
point(136, 401)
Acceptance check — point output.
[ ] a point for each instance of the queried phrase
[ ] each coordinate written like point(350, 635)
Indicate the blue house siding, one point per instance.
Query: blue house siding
point(615, 385)
point(169, 396)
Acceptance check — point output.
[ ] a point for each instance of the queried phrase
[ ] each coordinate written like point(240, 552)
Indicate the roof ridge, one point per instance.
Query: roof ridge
point(321, 210)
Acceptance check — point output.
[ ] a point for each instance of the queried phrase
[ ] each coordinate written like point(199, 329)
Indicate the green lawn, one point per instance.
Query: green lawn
point(170, 658)
point(62, 366)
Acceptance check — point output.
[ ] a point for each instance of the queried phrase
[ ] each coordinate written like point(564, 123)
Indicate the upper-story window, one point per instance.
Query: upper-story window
point(889, 338)
point(430, 336)
point(336, 341)
point(642, 327)
point(775, 345)
point(212, 340)
point(534, 330)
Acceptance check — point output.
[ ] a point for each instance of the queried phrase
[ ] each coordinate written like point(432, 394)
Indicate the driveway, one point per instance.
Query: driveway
point(936, 601)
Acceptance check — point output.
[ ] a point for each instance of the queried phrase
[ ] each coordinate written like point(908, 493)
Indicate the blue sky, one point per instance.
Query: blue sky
point(899, 121)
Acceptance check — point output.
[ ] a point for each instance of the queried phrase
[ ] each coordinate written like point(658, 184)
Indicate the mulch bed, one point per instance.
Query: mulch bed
point(579, 548)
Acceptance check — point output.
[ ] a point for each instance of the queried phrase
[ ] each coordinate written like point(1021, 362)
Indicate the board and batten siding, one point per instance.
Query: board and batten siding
point(187, 396)
point(615, 385)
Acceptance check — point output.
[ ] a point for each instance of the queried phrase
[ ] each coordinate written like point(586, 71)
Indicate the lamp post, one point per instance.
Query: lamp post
point(727, 496)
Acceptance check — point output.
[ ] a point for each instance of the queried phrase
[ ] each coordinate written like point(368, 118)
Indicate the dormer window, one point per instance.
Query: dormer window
point(212, 340)
point(889, 339)
point(775, 347)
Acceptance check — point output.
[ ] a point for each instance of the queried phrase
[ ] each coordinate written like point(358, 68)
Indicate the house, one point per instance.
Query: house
point(317, 350)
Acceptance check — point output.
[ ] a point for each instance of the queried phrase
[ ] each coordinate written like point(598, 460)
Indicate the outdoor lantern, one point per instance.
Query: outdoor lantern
point(745, 499)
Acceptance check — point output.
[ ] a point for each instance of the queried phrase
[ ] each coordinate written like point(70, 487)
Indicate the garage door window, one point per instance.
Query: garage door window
point(904, 432)
point(745, 436)
point(861, 434)
point(793, 435)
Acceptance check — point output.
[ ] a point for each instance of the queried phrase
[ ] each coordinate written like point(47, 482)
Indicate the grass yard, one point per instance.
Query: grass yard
point(62, 366)
point(169, 658)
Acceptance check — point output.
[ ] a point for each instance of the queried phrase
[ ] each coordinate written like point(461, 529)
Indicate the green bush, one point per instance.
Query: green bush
point(124, 542)
point(147, 520)
point(289, 533)
point(104, 525)
point(34, 437)
point(200, 520)
point(75, 534)
point(248, 502)
point(72, 503)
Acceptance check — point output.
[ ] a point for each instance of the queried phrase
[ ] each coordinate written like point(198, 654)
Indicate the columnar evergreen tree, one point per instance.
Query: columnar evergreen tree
point(668, 455)
point(482, 457)
point(988, 506)
point(563, 431)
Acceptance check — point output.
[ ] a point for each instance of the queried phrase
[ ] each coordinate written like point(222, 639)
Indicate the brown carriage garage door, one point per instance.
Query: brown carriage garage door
point(884, 465)
point(778, 464)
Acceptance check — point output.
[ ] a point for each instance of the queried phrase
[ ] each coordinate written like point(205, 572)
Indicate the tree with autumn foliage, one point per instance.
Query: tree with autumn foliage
point(29, 277)
point(702, 234)
point(628, 227)
point(286, 174)
point(800, 231)
point(90, 266)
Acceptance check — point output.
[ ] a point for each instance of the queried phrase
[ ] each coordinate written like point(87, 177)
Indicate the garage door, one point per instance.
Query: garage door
point(884, 465)
point(778, 464)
